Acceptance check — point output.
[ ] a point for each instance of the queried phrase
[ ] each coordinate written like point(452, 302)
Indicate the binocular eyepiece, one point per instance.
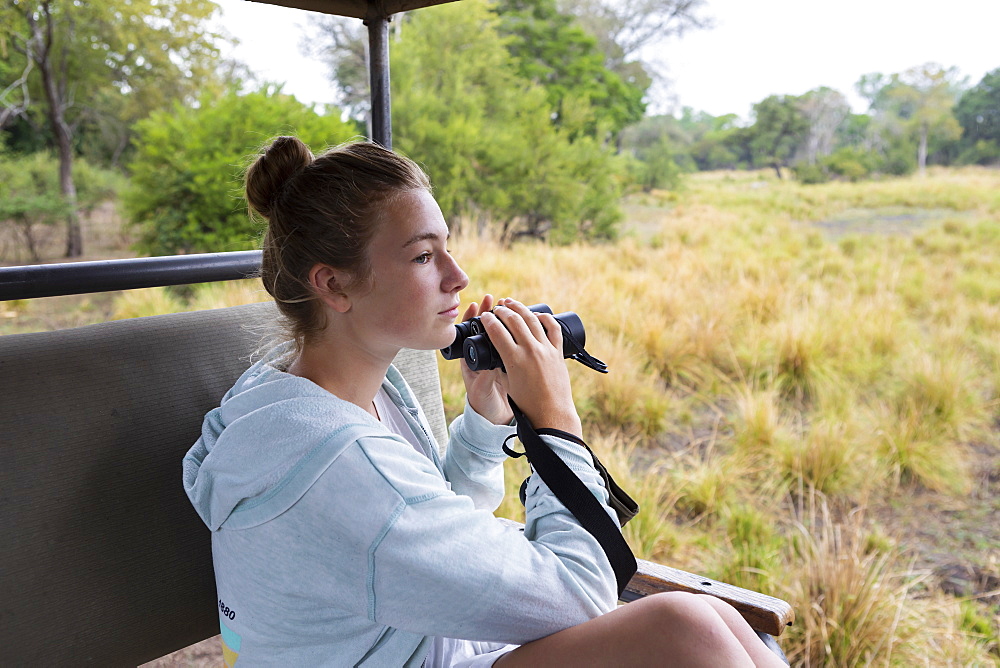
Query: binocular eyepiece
point(472, 343)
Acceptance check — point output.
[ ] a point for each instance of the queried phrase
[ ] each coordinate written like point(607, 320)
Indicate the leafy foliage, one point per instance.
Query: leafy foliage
point(623, 29)
point(553, 51)
point(30, 199)
point(779, 129)
point(913, 108)
point(106, 71)
point(912, 121)
point(98, 51)
point(486, 136)
point(978, 112)
point(652, 147)
point(186, 192)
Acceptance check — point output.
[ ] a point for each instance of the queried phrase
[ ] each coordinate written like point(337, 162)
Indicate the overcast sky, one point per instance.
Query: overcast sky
point(757, 47)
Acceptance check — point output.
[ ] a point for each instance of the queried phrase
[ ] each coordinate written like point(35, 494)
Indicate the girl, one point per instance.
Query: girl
point(339, 536)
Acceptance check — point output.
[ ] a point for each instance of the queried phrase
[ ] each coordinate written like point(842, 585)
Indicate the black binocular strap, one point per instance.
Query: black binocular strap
point(573, 494)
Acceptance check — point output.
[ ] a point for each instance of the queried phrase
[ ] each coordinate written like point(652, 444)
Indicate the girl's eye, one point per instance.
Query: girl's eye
point(423, 258)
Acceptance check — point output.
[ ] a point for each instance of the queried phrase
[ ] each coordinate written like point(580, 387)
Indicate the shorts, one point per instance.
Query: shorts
point(454, 653)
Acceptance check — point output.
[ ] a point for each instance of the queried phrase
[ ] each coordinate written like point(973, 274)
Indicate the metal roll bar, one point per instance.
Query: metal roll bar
point(77, 278)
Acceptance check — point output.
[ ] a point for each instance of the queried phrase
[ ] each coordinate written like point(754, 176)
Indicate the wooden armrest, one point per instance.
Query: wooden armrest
point(764, 613)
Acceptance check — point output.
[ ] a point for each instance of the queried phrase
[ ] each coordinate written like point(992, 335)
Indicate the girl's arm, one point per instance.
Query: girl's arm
point(473, 464)
point(531, 347)
point(425, 560)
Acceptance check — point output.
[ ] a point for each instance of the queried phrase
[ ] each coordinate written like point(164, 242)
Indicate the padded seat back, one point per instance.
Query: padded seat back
point(102, 558)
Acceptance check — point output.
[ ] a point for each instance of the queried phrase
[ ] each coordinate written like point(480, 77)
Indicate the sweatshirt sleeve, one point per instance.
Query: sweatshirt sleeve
point(474, 460)
point(440, 566)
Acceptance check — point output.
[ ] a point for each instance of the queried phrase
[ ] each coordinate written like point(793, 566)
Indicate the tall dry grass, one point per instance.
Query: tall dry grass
point(861, 602)
point(778, 364)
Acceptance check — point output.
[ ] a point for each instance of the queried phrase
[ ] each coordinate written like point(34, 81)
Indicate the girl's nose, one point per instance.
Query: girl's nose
point(456, 280)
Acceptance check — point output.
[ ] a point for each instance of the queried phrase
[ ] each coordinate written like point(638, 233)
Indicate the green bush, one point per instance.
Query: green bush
point(810, 174)
point(654, 166)
point(899, 159)
point(983, 152)
point(850, 163)
point(186, 193)
point(30, 200)
point(30, 197)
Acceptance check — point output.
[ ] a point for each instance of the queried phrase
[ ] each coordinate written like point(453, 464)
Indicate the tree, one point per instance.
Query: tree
point(716, 142)
point(978, 112)
point(548, 47)
point(342, 43)
point(15, 70)
point(186, 190)
point(93, 60)
point(917, 104)
point(779, 128)
point(624, 29)
point(825, 110)
point(659, 148)
point(654, 166)
point(553, 51)
point(30, 201)
point(486, 136)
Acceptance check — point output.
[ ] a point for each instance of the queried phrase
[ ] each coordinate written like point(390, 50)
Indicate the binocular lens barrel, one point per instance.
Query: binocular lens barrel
point(472, 343)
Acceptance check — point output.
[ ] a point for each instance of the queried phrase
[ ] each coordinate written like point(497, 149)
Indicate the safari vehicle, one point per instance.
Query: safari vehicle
point(103, 560)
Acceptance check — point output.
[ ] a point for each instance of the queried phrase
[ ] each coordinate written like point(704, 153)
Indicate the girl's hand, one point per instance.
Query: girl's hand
point(537, 378)
point(486, 390)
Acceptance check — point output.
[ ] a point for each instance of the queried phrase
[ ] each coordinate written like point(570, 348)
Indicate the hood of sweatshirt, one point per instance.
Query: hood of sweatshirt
point(270, 439)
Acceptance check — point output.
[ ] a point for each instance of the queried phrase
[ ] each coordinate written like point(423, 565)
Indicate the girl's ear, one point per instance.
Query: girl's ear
point(329, 285)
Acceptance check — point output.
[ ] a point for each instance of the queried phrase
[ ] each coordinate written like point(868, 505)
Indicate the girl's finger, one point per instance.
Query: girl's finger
point(499, 335)
point(515, 323)
point(471, 312)
point(530, 319)
point(552, 329)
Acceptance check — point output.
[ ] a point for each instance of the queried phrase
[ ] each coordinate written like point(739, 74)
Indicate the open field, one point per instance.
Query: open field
point(803, 394)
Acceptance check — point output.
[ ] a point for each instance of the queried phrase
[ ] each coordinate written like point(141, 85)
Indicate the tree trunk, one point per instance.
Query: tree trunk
point(55, 96)
point(74, 235)
point(922, 151)
point(29, 240)
point(777, 169)
point(482, 222)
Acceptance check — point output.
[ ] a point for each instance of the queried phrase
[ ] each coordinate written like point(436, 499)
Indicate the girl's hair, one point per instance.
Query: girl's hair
point(321, 209)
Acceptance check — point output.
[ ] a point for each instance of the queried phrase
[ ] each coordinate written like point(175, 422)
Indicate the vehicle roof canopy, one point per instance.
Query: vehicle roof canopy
point(356, 8)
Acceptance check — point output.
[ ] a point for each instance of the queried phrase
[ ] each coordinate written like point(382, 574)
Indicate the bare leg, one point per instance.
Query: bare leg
point(672, 629)
point(757, 650)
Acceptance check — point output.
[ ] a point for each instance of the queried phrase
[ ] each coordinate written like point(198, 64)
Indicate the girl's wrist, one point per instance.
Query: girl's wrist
point(563, 421)
point(496, 416)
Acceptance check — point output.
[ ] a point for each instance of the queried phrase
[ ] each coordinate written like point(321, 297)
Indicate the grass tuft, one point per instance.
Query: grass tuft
point(850, 598)
point(146, 302)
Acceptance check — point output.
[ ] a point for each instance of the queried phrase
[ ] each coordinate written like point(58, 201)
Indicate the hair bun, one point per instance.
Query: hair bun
point(279, 162)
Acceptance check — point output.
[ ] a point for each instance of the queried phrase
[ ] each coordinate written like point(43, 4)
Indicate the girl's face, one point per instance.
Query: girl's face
point(412, 301)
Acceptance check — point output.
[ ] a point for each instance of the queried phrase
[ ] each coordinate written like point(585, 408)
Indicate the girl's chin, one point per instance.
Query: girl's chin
point(443, 340)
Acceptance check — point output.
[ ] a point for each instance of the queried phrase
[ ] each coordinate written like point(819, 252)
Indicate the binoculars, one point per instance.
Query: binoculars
point(472, 343)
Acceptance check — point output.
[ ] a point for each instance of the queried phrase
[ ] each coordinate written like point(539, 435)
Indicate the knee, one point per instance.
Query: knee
point(687, 628)
point(694, 613)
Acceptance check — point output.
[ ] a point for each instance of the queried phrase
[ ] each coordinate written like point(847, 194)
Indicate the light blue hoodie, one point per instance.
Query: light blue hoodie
point(337, 544)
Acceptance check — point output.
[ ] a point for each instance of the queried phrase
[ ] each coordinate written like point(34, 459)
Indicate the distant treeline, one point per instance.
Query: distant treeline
point(925, 115)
